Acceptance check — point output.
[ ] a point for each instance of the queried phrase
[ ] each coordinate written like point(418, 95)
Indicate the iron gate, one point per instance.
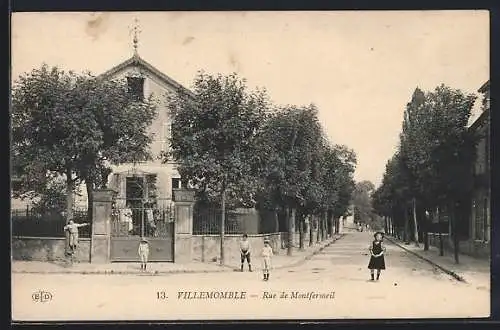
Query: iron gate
point(137, 218)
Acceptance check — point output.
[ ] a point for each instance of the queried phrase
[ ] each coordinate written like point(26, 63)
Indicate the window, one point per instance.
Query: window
point(136, 87)
point(176, 183)
point(16, 184)
point(165, 141)
point(481, 158)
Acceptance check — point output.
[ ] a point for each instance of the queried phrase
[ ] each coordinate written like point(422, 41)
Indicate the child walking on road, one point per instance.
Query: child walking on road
point(143, 253)
point(267, 253)
point(245, 252)
point(377, 251)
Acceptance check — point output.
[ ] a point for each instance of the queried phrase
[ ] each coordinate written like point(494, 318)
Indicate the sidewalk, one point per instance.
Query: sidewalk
point(157, 268)
point(470, 270)
point(281, 261)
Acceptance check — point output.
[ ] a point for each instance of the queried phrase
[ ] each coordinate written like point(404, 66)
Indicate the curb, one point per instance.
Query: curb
point(121, 272)
point(443, 269)
point(225, 268)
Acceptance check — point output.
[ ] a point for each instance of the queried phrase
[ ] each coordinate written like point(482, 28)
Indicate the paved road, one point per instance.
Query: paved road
point(409, 288)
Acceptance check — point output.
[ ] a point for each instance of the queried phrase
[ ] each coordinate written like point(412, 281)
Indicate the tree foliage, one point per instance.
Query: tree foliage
point(213, 135)
point(75, 126)
point(433, 163)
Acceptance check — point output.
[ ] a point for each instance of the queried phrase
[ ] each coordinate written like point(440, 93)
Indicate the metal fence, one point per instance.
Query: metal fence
point(133, 217)
point(29, 223)
point(207, 221)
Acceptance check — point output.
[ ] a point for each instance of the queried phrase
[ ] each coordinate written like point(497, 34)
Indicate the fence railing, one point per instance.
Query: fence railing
point(34, 224)
point(207, 221)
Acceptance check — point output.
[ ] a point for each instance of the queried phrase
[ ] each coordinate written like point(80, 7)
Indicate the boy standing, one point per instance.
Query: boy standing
point(267, 253)
point(72, 229)
point(143, 252)
point(245, 252)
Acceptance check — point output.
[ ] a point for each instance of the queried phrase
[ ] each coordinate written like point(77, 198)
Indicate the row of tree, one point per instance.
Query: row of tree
point(232, 144)
point(237, 148)
point(429, 176)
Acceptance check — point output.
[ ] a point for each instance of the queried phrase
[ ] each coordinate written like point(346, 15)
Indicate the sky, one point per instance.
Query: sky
point(359, 68)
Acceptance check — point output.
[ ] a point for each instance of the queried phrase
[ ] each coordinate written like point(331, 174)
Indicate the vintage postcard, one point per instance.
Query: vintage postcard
point(250, 165)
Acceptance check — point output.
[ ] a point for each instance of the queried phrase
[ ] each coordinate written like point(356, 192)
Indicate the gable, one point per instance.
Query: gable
point(136, 62)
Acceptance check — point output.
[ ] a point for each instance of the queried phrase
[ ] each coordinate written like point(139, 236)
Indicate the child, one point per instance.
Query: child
point(245, 252)
point(72, 229)
point(143, 252)
point(267, 253)
point(377, 251)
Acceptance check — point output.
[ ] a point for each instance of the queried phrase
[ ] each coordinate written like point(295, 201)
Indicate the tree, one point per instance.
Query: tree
point(453, 154)
point(291, 141)
point(75, 126)
point(432, 167)
point(213, 138)
point(339, 167)
point(362, 202)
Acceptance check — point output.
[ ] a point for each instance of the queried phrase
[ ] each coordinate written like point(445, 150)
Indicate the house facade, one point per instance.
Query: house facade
point(475, 231)
point(480, 224)
point(145, 80)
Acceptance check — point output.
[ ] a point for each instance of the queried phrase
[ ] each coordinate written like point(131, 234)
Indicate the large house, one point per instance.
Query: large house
point(145, 80)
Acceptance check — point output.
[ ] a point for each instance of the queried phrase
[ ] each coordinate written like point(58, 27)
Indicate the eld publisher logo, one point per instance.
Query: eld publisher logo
point(41, 296)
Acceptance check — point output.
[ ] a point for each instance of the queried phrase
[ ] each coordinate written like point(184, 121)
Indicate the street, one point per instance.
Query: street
point(409, 288)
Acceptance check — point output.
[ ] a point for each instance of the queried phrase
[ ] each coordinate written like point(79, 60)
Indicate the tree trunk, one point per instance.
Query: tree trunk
point(90, 199)
point(311, 226)
point(318, 226)
point(222, 225)
point(441, 243)
point(330, 224)
point(276, 222)
point(291, 231)
point(405, 233)
point(301, 231)
point(70, 187)
point(454, 223)
point(415, 223)
point(427, 226)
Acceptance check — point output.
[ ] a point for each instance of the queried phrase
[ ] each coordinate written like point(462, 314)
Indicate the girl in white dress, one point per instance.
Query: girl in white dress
point(267, 253)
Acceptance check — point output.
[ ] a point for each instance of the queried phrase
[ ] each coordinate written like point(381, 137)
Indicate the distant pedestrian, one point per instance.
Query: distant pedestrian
point(245, 252)
point(377, 251)
point(144, 253)
point(72, 229)
point(267, 253)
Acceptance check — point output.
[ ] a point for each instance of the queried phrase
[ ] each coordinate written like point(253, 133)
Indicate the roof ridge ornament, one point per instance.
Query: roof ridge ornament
point(135, 31)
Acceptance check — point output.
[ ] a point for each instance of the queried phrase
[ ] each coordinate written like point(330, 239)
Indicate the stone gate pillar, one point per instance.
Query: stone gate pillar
point(101, 225)
point(183, 245)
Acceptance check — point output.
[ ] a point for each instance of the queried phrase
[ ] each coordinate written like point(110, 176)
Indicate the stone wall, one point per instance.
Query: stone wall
point(46, 249)
point(206, 248)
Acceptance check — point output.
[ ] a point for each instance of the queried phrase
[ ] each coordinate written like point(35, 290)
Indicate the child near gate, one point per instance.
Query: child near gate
point(377, 251)
point(245, 252)
point(72, 229)
point(267, 253)
point(143, 253)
